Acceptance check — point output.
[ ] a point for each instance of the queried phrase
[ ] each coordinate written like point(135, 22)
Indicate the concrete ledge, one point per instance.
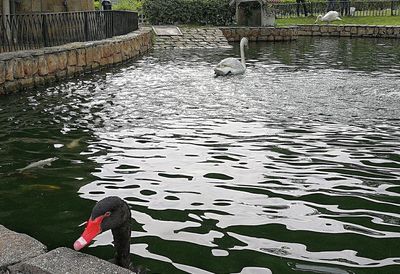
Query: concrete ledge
point(16, 247)
point(24, 69)
point(64, 260)
point(21, 254)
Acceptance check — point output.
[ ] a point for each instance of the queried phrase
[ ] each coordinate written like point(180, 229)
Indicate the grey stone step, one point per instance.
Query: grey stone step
point(194, 38)
point(66, 261)
point(17, 247)
point(22, 254)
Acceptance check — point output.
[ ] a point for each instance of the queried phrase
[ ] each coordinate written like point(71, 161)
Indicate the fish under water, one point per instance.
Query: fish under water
point(38, 164)
point(41, 187)
point(74, 143)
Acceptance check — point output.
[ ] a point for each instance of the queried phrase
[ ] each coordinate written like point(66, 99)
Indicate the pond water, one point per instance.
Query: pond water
point(293, 167)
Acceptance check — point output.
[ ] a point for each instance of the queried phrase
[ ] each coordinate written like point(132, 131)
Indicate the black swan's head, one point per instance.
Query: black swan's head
point(110, 213)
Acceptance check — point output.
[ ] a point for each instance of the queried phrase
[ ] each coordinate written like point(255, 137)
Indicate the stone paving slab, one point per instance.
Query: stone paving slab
point(17, 247)
point(167, 30)
point(206, 37)
point(66, 261)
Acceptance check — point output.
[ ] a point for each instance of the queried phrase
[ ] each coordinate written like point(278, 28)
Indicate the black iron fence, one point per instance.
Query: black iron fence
point(345, 8)
point(37, 30)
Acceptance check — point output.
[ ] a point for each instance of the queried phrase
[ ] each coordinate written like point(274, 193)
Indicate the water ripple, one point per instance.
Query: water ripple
point(292, 167)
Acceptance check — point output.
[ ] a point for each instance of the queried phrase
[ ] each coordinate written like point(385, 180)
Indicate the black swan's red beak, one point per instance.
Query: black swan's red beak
point(93, 228)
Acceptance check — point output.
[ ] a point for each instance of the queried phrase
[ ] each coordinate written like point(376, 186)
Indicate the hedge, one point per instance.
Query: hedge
point(199, 12)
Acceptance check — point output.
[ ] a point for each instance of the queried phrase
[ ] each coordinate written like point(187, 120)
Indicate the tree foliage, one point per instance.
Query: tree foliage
point(202, 12)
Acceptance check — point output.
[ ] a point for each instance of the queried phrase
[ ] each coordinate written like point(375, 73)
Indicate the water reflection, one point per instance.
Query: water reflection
point(292, 167)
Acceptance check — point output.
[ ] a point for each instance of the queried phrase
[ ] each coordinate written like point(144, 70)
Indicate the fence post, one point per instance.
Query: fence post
point(392, 7)
point(86, 25)
point(45, 32)
point(112, 23)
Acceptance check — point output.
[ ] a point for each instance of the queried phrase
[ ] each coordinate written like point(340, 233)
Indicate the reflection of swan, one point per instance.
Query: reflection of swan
point(232, 65)
point(329, 17)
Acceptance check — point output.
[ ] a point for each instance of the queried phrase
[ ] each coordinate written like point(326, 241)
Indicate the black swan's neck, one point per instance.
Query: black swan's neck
point(122, 236)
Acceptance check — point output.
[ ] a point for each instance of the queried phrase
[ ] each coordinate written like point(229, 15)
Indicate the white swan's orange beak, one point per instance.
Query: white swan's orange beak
point(93, 228)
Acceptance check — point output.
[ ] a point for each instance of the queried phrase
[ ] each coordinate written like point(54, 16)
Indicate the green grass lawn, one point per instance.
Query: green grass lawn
point(361, 20)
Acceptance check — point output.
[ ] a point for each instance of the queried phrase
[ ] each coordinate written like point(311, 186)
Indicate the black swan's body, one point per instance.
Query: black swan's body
point(111, 213)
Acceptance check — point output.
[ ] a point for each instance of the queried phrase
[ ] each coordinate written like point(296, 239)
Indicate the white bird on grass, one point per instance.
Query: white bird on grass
point(329, 17)
point(232, 65)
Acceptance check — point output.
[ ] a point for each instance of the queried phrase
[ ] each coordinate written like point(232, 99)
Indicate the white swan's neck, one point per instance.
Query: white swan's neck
point(242, 58)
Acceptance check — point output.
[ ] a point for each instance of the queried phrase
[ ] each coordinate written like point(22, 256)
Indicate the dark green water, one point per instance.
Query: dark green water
point(293, 167)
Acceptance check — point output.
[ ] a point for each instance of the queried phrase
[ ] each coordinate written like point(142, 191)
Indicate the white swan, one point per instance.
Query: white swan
point(329, 17)
point(232, 65)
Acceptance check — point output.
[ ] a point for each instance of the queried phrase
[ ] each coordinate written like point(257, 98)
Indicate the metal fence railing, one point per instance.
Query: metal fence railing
point(351, 8)
point(37, 30)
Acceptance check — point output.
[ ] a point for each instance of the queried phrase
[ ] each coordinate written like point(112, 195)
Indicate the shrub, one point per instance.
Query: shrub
point(199, 12)
point(133, 5)
point(97, 5)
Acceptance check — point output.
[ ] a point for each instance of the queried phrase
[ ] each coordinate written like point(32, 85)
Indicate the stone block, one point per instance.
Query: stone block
point(324, 29)
point(2, 72)
point(42, 66)
point(370, 30)
point(315, 28)
point(382, 31)
point(81, 57)
point(70, 70)
point(361, 31)
point(78, 70)
point(62, 61)
point(25, 83)
point(95, 66)
point(265, 31)
point(19, 69)
point(110, 60)
point(52, 63)
point(16, 247)
point(61, 74)
point(270, 38)
point(389, 31)
point(303, 33)
point(29, 66)
point(90, 56)
point(117, 58)
point(38, 81)
point(10, 86)
point(72, 58)
point(332, 29)
point(50, 79)
point(97, 55)
point(103, 61)
point(10, 70)
point(64, 260)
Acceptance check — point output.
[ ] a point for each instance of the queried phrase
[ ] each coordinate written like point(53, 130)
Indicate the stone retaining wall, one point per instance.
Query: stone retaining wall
point(350, 31)
point(260, 33)
point(24, 69)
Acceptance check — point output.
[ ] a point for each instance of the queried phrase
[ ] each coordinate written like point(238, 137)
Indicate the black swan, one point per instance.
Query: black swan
point(111, 213)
